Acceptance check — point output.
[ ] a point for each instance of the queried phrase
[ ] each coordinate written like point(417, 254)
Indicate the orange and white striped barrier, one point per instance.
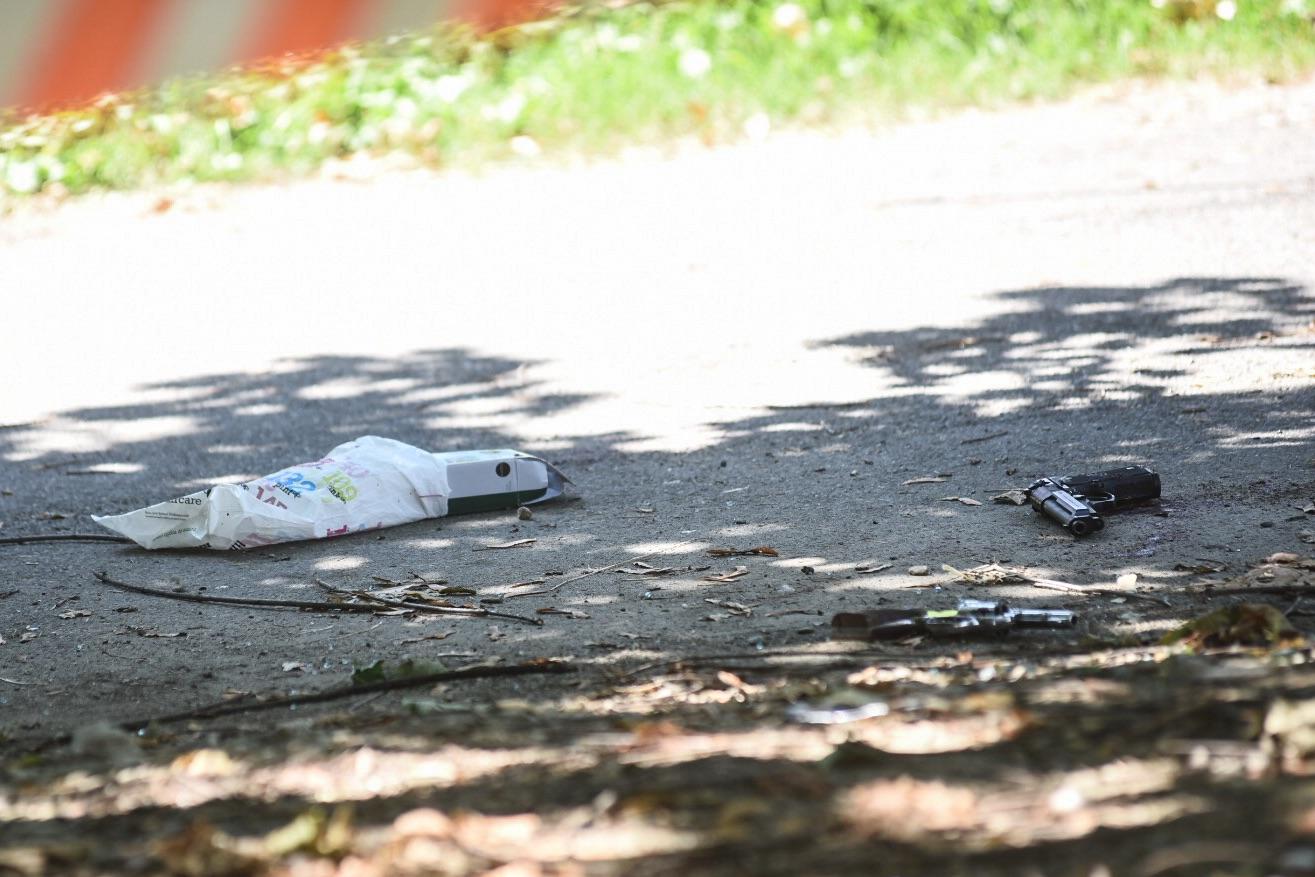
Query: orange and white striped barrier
point(59, 52)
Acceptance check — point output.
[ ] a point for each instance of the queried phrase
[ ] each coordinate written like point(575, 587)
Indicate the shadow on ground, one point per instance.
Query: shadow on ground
point(669, 751)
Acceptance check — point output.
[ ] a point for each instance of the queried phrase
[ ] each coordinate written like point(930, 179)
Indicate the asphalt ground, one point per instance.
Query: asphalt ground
point(753, 345)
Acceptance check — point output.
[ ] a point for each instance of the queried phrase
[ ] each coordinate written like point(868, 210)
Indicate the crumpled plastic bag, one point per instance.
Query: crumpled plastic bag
point(364, 484)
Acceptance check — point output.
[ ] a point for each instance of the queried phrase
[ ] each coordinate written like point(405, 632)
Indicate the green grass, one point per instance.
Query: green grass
point(594, 78)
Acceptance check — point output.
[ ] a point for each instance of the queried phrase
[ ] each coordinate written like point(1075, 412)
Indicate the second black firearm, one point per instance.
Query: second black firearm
point(1077, 502)
point(971, 618)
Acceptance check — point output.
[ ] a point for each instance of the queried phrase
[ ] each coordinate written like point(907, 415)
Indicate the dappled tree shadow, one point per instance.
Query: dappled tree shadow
point(1070, 348)
point(247, 422)
point(699, 771)
point(1089, 769)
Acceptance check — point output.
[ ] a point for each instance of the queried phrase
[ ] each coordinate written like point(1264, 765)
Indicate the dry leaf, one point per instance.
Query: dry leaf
point(203, 849)
point(735, 608)
point(27, 637)
point(1010, 497)
point(1202, 566)
point(961, 499)
point(729, 679)
point(23, 862)
point(871, 568)
point(500, 546)
point(927, 479)
point(75, 613)
point(986, 574)
point(738, 572)
point(761, 551)
point(153, 633)
point(1127, 580)
point(204, 763)
point(294, 667)
point(425, 822)
point(1248, 624)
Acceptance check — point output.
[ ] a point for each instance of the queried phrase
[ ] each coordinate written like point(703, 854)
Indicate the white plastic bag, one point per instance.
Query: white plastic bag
point(364, 484)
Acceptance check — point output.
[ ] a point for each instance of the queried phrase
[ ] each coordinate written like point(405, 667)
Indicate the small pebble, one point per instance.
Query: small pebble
point(919, 570)
point(524, 514)
point(1266, 524)
point(807, 570)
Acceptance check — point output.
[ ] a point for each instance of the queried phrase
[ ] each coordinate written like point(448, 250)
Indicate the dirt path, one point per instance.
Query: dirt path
point(751, 346)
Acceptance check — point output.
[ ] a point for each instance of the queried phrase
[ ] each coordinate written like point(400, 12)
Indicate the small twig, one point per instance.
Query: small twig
point(836, 664)
point(374, 626)
point(15, 681)
point(1051, 585)
point(1196, 854)
point(234, 601)
point(1295, 603)
point(403, 587)
point(984, 438)
point(519, 543)
point(7, 594)
point(571, 579)
point(361, 704)
point(845, 659)
point(1277, 590)
point(65, 537)
point(462, 611)
point(224, 708)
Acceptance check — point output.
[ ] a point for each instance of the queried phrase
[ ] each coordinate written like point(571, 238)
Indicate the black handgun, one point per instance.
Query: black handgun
point(972, 618)
point(1076, 502)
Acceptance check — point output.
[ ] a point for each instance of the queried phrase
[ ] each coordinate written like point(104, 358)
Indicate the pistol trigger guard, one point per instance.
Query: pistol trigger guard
point(1102, 503)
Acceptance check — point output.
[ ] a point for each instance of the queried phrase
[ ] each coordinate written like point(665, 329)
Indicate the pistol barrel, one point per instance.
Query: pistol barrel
point(1044, 618)
point(1071, 512)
